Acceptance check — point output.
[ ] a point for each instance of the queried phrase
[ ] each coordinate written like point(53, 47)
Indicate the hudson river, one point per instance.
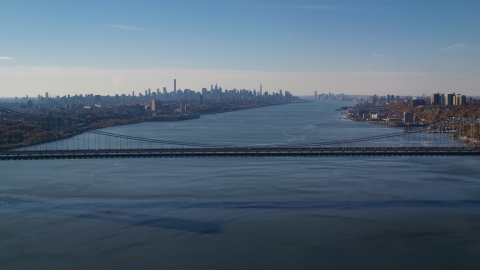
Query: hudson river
point(245, 213)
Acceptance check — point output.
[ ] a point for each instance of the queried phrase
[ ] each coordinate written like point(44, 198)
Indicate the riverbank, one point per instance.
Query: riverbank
point(19, 135)
point(199, 111)
point(462, 122)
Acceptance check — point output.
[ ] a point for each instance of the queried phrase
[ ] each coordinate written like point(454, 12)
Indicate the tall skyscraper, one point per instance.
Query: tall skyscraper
point(46, 95)
point(260, 89)
point(174, 85)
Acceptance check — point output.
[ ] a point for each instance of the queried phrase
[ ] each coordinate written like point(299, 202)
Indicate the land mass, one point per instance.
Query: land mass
point(461, 121)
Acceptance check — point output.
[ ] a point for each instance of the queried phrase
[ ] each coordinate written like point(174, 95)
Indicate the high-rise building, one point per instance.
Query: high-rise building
point(164, 90)
point(46, 95)
point(315, 94)
point(408, 117)
point(436, 99)
point(460, 100)
point(154, 105)
point(174, 85)
point(261, 90)
point(450, 99)
point(371, 99)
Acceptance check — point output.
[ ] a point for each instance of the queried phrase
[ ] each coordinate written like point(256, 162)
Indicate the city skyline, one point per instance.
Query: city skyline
point(373, 47)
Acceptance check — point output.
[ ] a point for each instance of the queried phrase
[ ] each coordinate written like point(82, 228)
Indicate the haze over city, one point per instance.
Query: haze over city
point(351, 47)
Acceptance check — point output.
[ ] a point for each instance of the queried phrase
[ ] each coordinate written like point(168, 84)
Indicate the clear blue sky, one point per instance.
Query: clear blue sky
point(385, 43)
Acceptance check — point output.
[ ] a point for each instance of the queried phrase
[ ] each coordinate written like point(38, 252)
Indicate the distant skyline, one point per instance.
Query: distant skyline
point(352, 47)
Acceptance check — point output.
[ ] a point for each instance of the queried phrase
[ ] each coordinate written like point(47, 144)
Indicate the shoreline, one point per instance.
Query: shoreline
point(137, 120)
point(461, 139)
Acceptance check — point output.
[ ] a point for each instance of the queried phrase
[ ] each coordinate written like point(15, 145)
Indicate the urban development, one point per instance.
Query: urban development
point(54, 118)
point(450, 113)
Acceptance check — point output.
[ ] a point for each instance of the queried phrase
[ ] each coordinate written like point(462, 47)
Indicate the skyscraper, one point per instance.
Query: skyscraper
point(174, 85)
point(260, 89)
point(46, 95)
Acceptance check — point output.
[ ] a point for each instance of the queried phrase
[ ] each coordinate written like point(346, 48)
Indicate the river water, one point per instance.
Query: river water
point(245, 213)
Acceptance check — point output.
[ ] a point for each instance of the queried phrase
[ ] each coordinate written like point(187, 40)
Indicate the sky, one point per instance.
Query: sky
point(353, 47)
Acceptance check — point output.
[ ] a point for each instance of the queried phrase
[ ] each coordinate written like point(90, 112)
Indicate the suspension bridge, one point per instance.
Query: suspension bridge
point(84, 143)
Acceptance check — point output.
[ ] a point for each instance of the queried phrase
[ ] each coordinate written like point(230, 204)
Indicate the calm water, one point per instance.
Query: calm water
point(244, 213)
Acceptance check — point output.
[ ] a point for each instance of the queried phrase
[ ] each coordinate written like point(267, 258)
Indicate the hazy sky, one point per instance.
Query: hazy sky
point(353, 47)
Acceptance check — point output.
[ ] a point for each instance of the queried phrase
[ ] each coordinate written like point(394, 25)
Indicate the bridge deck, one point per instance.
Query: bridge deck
point(240, 152)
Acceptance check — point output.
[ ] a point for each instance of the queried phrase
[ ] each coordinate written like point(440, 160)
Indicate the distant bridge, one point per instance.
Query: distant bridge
point(100, 144)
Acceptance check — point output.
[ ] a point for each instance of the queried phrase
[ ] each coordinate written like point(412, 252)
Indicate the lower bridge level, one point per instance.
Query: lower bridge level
point(239, 152)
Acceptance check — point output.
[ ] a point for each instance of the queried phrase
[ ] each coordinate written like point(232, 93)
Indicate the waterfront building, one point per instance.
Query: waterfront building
point(362, 112)
point(408, 117)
